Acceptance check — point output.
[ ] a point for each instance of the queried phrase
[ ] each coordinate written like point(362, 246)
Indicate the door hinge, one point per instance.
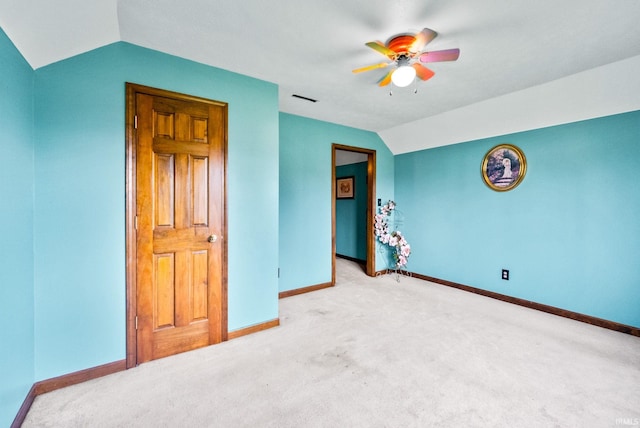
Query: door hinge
point(135, 121)
point(135, 221)
point(136, 322)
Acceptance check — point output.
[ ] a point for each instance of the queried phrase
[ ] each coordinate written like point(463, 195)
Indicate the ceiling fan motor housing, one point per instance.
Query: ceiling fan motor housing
point(401, 44)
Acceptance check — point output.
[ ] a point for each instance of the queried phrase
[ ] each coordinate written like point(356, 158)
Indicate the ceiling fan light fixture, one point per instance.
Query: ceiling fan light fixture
point(403, 76)
point(406, 51)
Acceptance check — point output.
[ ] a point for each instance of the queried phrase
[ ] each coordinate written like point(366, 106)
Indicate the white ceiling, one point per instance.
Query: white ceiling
point(309, 48)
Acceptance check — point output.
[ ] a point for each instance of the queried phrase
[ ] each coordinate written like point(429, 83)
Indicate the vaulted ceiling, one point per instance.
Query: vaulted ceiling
point(309, 48)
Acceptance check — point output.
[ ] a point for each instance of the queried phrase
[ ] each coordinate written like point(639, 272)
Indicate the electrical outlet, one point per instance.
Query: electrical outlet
point(505, 274)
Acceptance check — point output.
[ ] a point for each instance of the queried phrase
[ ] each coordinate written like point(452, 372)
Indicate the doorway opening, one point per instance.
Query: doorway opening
point(357, 154)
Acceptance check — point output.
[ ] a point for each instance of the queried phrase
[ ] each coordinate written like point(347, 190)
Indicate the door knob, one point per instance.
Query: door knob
point(212, 238)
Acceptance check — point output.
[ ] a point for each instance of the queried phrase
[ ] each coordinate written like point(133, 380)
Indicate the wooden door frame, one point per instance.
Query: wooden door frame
point(370, 268)
point(132, 90)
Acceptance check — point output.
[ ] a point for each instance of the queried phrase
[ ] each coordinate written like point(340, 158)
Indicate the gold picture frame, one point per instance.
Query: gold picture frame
point(504, 167)
point(345, 187)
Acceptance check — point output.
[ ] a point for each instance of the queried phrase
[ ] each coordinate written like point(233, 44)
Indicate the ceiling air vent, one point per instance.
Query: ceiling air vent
point(304, 98)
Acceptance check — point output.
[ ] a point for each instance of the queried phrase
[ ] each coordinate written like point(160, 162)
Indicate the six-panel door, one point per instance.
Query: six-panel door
point(180, 214)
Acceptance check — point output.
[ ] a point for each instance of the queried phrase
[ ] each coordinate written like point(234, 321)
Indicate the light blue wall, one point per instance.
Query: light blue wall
point(568, 233)
point(80, 203)
point(351, 214)
point(305, 194)
point(16, 230)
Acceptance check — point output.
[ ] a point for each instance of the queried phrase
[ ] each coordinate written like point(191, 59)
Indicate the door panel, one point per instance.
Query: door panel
point(164, 192)
point(180, 204)
point(163, 290)
point(200, 194)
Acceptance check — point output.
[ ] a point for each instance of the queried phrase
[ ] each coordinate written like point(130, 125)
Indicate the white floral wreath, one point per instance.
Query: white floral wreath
point(393, 239)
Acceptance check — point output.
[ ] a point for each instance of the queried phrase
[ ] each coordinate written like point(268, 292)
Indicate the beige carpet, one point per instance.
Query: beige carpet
point(373, 352)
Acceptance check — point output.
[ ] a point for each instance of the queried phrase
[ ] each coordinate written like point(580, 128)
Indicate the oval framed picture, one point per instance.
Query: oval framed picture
point(504, 167)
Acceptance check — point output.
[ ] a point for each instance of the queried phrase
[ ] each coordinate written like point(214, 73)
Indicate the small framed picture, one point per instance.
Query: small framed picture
point(504, 167)
point(345, 188)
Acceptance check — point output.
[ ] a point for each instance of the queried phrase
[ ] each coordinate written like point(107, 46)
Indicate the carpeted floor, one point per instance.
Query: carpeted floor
point(373, 352)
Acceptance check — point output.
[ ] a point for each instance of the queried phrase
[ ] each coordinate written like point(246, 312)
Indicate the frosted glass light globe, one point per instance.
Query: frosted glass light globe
point(403, 76)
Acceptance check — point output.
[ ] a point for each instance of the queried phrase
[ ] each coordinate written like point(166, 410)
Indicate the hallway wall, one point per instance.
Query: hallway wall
point(351, 214)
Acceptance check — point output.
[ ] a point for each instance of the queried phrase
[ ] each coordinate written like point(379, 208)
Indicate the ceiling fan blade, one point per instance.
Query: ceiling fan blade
point(423, 72)
point(437, 56)
point(378, 46)
point(422, 39)
point(386, 79)
point(372, 67)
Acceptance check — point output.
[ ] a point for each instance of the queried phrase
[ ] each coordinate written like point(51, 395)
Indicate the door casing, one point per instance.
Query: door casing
point(370, 268)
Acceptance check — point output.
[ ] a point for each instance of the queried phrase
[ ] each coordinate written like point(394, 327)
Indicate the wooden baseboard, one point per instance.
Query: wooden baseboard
point(253, 329)
point(352, 259)
point(611, 325)
point(303, 290)
point(63, 381)
point(24, 409)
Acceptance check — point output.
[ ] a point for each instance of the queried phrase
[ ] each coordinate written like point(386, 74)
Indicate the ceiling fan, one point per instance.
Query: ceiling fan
point(405, 51)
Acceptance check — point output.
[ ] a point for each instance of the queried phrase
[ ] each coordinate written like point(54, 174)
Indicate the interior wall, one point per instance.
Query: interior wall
point(351, 214)
point(305, 194)
point(16, 230)
point(80, 198)
point(567, 233)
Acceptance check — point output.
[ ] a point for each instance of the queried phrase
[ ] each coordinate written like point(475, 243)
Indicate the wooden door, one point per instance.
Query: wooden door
point(180, 161)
